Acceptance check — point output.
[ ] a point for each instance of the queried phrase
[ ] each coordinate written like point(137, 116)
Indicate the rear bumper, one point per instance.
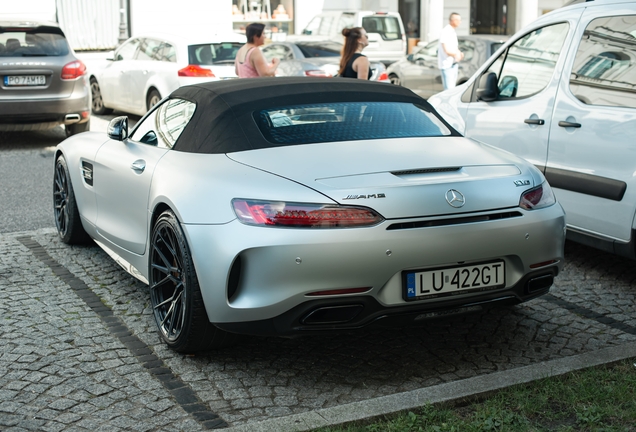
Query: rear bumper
point(22, 114)
point(327, 315)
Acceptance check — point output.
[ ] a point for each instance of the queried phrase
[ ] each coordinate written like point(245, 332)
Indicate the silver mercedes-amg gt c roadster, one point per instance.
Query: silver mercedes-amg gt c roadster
point(290, 206)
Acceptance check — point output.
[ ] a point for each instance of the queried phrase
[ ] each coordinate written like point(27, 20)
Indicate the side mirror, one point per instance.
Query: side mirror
point(410, 57)
point(110, 56)
point(306, 32)
point(488, 90)
point(118, 128)
point(509, 86)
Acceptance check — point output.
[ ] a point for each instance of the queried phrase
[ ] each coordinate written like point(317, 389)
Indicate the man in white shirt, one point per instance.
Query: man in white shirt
point(448, 53)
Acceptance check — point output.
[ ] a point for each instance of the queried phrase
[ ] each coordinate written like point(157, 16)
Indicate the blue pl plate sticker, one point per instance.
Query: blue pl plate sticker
point(410, 285)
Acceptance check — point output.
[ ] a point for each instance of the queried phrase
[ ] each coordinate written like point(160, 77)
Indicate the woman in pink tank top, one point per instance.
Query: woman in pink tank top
point(249, 61)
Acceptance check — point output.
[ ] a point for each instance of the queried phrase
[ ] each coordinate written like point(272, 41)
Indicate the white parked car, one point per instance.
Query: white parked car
point(146, 68)
point(387, 39)
point(562, 94)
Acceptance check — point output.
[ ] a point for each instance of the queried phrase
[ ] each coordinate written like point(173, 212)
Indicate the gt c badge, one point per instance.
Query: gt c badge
point(455, 198)
point(522, 183)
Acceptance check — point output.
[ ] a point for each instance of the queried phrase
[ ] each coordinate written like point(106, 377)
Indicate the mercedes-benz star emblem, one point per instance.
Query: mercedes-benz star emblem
point(455, 198)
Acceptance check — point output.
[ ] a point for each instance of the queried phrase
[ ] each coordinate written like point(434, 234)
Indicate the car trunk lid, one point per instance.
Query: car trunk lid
point(401, 178)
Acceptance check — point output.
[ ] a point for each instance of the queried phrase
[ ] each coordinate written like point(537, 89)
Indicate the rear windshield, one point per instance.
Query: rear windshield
point(303, 124)
point(388, 27)
point(32, 44)
point(213, 53)
point(322, 49)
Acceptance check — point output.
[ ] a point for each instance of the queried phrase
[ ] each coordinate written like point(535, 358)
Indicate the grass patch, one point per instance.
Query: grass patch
point(600, 399)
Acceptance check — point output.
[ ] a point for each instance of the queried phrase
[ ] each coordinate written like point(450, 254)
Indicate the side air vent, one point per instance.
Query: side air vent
point(426, 171)
point(454, 221)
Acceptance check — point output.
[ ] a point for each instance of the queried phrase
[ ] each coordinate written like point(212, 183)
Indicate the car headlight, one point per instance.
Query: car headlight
point(303, 215)
point(538, 197)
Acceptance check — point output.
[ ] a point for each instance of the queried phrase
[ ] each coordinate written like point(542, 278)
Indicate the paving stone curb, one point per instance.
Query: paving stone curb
point(452, 391)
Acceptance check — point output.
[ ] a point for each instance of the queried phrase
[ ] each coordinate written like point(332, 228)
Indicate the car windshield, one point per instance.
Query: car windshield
point(213, 53)
point(323, 49)
point(303, 124)
point(31, 43)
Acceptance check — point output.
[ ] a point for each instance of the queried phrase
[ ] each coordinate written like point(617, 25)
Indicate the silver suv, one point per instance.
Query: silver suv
point(562, 94)
point(42, 83)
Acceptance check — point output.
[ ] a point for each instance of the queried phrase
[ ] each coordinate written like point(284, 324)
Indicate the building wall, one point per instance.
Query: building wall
point(191, 16)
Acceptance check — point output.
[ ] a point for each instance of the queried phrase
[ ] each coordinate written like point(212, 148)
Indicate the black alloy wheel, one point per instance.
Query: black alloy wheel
point(174, 291)
point(395, 80)
point(67, 218)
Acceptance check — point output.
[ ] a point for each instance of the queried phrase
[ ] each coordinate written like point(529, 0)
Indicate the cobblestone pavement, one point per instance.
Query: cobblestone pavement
point(80, 350)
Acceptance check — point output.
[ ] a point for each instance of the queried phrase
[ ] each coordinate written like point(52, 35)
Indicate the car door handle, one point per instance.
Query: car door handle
point(569, 124)
point(531, 121)
point(138, 166)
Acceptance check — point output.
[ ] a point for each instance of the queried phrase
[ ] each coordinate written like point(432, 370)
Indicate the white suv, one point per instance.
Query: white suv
point(562, 94)
point(387, 40)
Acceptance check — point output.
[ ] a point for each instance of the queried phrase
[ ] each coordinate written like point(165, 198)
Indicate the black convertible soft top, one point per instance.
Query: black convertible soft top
point(223, 121)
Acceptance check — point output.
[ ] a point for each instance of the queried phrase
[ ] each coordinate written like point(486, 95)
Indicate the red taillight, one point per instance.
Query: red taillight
point(300, 215)
point(318, 73)
point(383, 77)
point(73, 70)
point(543, 264)
point(536, 198)
point(195, 71)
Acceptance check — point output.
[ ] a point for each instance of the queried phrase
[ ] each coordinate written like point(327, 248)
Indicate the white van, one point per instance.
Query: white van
point(562, 94)
point(387, 40)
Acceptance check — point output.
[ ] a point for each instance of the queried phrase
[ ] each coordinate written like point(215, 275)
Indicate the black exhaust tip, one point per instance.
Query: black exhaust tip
point(541, 283)
point(332, 314)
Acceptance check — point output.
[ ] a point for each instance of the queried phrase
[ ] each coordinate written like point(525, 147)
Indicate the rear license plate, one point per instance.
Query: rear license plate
point(453, 280)
point(24, 80)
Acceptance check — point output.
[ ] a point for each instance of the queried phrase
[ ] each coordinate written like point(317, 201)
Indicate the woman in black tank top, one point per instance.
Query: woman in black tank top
point(352, 63)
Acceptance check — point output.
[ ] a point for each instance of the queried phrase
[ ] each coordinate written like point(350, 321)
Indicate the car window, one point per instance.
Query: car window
point(494, 47)
point(213, 53)
point(467, 48)
point(127, 50)
point(168, 53)
point(302, 124)
point(388, 27)
point(282, 52)
point(163, 126)
point(604, 70)
point(31, 43)
point(325, 49)
point(527, 66)
point(149, 49)
point(319, 26)
point(428, 52)
point(347, 20)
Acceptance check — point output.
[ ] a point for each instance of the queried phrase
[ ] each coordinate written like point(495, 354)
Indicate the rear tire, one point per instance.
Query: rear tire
point(394, 79)
point(67, 218)
point(153, 99)
point(175, 294)
point(97, 104)
point(74, 129)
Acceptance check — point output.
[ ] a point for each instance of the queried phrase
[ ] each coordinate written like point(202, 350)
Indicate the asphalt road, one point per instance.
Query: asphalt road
point(26, 175)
